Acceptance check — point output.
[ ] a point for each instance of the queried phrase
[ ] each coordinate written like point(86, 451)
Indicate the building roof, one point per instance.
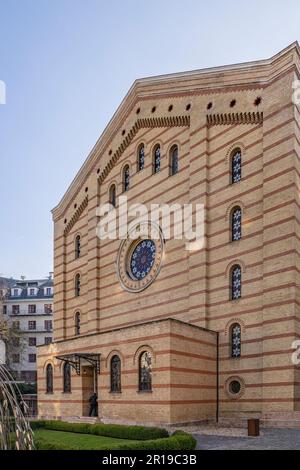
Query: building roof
point(26, 284)
point(245, 76)
point(6, 282)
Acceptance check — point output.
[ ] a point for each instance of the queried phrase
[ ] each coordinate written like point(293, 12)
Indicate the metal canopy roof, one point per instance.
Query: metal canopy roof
point(75, 360)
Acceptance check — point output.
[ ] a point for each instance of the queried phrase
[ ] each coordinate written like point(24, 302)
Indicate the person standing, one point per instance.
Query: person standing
point(93, 400)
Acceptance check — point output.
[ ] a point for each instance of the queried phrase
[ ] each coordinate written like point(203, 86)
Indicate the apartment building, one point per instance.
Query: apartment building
point(28, 307)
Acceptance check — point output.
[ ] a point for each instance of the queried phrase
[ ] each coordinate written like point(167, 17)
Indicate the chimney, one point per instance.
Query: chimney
point(51, 275)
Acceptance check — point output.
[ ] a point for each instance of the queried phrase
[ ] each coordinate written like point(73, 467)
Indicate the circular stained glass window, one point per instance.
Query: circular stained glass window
point(142, 259)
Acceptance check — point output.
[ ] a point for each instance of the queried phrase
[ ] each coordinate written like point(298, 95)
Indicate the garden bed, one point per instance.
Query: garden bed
point(58, 435)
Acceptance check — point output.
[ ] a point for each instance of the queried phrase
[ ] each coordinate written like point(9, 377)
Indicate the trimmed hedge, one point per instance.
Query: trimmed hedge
point(178, 441)
point(43, 444)
point(135, 433)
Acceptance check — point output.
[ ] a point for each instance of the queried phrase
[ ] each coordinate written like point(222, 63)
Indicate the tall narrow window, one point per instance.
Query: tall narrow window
point(235, 340)
point(174, 166)
point(126, 178)
point(77, 323)
point(49, 379)
point(67, 378)
point(141, 158)
point(236, 166)
point(77, 246)
point(77, 285)
point(156, 159)
point(115, 374)
point(236, 224)
point(236, 283)
point(145, 372)
point(112, 195)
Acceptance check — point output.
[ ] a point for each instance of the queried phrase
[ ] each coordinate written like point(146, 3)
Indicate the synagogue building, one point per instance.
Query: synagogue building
point(161, 333)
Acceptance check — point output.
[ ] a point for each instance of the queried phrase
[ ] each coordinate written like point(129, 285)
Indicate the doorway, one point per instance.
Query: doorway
point(89, 386)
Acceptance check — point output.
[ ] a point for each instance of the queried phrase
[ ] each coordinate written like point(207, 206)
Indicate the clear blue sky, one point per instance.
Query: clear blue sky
point(67, 65)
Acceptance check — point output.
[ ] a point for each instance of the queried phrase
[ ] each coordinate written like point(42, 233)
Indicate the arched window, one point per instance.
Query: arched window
point(67, 378)
point(126, 178)
point(236, 283)
point(77, 285)
point(49, 379)
point(156, 159)
point(235, 340)
point(77, 246)
point(145, 372)
point(236, 224)
point(112, 195)
point(77, 323)
point(236, 166)
point(174, 164)
point(141, 158)
point(115, 374)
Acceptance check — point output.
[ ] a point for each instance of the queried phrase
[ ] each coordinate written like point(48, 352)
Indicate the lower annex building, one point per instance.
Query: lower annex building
point(166, 335)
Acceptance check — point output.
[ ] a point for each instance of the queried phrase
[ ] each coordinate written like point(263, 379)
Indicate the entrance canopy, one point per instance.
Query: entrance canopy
point(76, 360)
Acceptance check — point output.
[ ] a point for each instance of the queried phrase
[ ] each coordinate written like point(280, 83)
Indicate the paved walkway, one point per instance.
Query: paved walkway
point(270, 439)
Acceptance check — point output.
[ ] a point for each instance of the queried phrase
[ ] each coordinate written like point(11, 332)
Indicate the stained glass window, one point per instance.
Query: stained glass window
point(77, 323)
point(236, 224)
point(115, 371)
point(142, 259)
point(77, 246)
point(174, 160)
point(141, 158)
point(49, 379)
point(77, 285)
point(236, 283)
point(112, 195)
point(126, 178)
point(236, 168)
point(236, 333)
point(145, 372)
point(67, 378)
point(157, 159)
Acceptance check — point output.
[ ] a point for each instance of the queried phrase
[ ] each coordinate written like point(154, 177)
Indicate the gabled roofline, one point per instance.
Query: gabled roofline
point(137, 91)
point(220, 68)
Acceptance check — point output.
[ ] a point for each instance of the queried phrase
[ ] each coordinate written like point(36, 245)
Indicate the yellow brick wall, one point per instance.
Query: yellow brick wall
point(193, 287)
point(183, 373)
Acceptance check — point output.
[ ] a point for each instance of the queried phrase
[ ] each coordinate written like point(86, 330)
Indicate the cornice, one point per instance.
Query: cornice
point(76, 216)
point(171, 121)
point(234, 118)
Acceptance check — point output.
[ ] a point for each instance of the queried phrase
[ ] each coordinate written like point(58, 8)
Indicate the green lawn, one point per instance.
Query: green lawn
point(81, 441)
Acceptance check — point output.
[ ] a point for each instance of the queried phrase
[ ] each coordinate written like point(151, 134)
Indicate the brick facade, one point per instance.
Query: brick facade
point(184, 317)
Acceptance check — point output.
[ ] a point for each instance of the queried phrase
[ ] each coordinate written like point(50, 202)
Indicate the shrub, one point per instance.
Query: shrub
point(178, 441)
point(42, 444)
point(81, 428)
point(38, 424)
point(135, 433)
point(187, 440)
